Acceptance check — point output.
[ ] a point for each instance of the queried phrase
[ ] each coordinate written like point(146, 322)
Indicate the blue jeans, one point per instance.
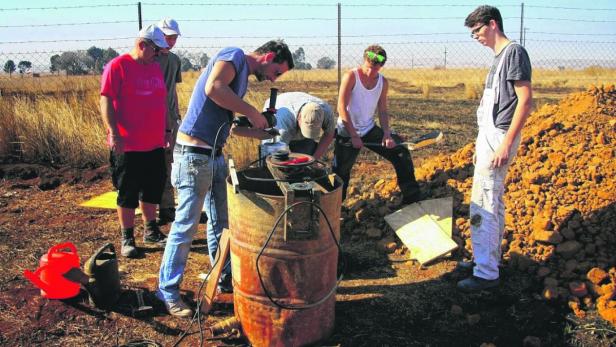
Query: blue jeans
point(191, 175)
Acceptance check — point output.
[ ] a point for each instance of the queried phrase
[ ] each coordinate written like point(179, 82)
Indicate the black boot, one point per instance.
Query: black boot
point(153, 235)
point(129, 249)
point(411, 193)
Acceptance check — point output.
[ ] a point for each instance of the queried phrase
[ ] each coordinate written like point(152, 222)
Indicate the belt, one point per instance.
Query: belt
point(197, 150)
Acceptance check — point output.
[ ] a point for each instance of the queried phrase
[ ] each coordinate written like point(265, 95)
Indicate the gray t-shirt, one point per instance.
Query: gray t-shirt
point(516, 67)
point(171, 67)
point(288, 106)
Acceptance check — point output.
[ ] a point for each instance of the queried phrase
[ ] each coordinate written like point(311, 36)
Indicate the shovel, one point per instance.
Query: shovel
point(420, 142)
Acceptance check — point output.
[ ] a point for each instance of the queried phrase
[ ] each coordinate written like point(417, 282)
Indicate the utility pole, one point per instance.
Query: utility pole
point(339, 46)
point(522, 25)
point(139, 13)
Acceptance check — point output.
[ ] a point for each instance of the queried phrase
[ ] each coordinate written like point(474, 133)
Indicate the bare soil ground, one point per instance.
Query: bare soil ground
point(384, 300)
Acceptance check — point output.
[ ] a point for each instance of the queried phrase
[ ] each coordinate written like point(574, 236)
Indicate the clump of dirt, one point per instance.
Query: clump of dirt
point(560, 197)
point(43, 177)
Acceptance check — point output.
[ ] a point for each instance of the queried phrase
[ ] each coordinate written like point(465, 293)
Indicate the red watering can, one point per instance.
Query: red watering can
point(49, 277)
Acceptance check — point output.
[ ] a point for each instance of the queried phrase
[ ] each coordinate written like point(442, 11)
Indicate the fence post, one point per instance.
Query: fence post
point(339, 46)
point(139, 13)
point(445, 61)
point(522, 25)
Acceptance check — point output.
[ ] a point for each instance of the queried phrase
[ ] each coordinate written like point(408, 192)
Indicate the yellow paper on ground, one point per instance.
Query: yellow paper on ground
point(106, 200)
point(425, 228)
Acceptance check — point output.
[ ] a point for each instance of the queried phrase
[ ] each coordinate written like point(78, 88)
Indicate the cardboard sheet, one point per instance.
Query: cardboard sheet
point(106, 200)
point(425, 228)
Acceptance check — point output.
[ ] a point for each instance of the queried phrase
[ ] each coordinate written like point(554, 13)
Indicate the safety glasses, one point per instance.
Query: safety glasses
point(475, 31)
point(377, 58)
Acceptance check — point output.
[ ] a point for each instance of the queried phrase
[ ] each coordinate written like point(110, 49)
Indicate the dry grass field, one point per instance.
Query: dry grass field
point(55, 119)
point(383, 300)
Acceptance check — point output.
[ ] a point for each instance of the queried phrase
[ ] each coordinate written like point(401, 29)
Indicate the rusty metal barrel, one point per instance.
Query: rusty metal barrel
point(288, 297)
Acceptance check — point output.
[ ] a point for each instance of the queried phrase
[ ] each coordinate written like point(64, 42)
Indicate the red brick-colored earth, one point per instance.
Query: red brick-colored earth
point(558, 277)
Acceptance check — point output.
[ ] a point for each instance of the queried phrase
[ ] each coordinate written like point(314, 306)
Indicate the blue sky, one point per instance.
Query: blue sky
point(414, 34)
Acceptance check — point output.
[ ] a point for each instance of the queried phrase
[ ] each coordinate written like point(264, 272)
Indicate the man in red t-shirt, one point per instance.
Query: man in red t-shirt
point(134, 109)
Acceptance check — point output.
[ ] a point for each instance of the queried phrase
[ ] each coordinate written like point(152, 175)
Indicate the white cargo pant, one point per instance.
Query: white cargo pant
point(487, 211)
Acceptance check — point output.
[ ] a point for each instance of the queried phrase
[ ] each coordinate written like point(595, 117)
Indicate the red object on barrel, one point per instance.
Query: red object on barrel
point(49, 277)
point(293, 161)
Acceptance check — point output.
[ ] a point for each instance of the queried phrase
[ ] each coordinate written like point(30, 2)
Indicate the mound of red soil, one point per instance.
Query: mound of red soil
point(560, 197)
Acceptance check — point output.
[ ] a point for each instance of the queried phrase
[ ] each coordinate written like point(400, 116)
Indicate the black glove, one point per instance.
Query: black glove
point(270, 117)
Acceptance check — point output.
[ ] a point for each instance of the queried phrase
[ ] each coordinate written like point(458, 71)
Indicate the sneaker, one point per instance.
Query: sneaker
point(153, 235)
point(476, 284)
point(178, 308)
point(128, 249)
point(165, 216)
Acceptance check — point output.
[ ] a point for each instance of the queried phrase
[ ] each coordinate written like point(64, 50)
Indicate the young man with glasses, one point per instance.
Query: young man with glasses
point(199, 170)
point(504, 108)
point(133, 109)
point(362, 92)
point(171, 67)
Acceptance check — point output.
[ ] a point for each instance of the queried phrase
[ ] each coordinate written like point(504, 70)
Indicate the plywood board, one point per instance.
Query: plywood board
point(105, 200)
point(212, 282)
point(425, 228)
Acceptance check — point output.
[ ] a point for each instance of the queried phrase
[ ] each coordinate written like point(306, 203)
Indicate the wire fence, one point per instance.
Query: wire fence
point(57, 48)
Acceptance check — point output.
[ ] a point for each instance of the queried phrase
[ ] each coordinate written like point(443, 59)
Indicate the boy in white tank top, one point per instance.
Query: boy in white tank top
point(362, 91)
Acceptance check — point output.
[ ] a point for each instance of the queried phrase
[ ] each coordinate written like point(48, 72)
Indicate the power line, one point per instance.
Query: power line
point(241, 4)
point(67, 40)
point(572, 8)
point(58, 51)
point(62, 7)
point(252, 19)
point(571, 34)
point(420, 5)
point(573, 20)
point(321, 36)
point(65, 24)
point(572, 41)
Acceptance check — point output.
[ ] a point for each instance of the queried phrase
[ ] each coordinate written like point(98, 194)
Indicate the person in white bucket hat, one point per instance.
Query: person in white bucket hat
point(133, 109)
point(171, 67)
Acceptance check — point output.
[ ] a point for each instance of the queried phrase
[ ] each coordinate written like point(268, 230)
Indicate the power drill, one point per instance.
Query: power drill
point(269, 114)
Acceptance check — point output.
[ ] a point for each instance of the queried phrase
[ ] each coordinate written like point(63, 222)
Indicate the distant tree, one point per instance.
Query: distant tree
point(299, 58)
point(109, 54)
point(24, 66)
point(204, 59)
point(95, 63)
point(9, 67)
point(186, 64)
point(326, 63)
point(74, 62)
point(54, 65)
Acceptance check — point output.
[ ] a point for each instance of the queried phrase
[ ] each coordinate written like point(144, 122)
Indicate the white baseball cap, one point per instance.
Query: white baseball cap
point(169, 26)
point(154, 34)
